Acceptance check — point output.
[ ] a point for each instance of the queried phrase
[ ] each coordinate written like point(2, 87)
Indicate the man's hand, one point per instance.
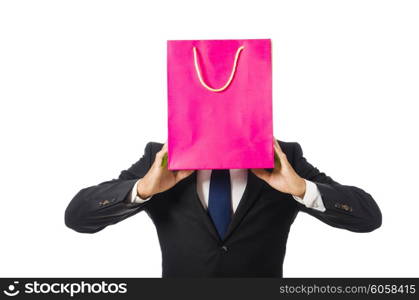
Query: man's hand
point(159, 178)
point(283, 177)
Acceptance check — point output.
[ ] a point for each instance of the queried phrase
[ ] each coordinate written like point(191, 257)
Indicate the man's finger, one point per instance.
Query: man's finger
point(261, 173)
point(276, 146)
point(279, 155)
point(162, 151)
point(162, 155)
point(164, 160)
point(181, 174)
point(277, 160)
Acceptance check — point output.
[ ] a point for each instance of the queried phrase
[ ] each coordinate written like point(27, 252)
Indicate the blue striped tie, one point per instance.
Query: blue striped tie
point(219, 200)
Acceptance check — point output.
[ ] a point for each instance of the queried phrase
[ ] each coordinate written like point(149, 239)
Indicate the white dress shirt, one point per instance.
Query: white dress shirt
point(312, 198)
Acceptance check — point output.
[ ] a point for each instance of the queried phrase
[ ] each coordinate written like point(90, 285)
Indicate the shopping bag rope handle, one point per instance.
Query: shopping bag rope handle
point(233, 71)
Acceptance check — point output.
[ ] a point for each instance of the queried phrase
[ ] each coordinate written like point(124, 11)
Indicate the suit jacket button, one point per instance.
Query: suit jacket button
point(224, 248)
point(346, 207)
point(103, 202)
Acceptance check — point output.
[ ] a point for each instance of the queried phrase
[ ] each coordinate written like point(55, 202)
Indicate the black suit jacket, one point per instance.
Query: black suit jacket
point(255, 243)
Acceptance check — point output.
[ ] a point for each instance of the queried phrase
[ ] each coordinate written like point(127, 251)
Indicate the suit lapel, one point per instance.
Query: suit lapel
point(250, 195)
point(204, 213)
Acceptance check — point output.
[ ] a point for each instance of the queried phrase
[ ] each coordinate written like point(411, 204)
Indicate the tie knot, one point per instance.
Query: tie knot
point(220, 175)
point(221, 171)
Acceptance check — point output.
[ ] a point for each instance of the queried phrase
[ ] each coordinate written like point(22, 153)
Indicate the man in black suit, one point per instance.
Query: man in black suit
point(196, 239)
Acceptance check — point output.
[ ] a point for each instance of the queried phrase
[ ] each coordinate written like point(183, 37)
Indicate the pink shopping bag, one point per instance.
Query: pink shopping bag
point(219, 104)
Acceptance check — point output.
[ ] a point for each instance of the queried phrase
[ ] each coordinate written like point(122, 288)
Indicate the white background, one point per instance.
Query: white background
point(83, 89)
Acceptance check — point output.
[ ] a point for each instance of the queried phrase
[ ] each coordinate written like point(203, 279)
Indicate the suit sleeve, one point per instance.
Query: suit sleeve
point(347, 207)
point(95, 207)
